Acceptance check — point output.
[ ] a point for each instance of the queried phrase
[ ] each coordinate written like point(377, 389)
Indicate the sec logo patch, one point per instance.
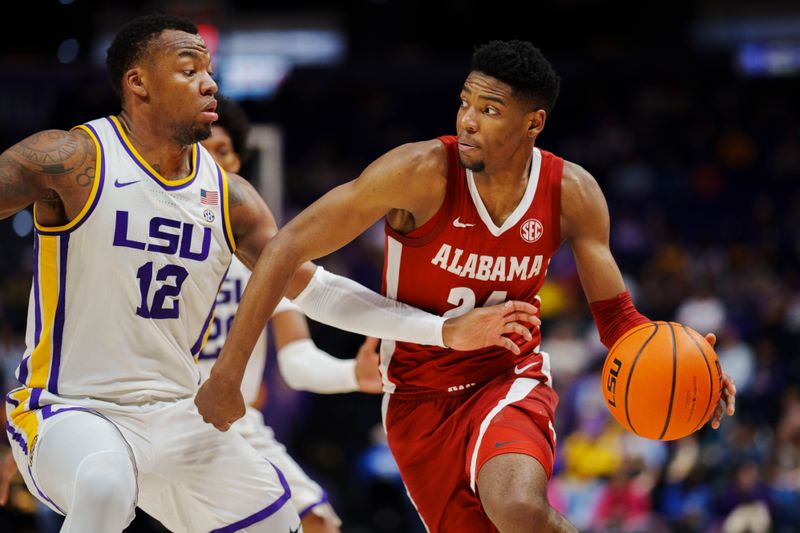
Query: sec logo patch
point(531, 230)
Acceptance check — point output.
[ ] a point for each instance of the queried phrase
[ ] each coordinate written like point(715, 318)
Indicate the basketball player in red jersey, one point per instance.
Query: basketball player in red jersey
point(470, 220)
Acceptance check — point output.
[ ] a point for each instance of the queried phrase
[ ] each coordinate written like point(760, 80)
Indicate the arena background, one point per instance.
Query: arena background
point(687, 115)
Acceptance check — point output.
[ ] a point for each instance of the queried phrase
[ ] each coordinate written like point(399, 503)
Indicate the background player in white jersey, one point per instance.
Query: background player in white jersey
point(135, 227)
point(302, 364)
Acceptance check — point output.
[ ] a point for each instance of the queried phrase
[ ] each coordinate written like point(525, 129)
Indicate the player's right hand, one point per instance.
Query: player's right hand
point(488, 326)
point(220, 402)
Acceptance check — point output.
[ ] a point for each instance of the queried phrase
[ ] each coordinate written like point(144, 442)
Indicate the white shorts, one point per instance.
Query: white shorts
point(190, 476)
point(307, 495)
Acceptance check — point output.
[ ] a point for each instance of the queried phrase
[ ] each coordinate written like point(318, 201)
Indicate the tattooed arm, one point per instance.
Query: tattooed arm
point(54, 169)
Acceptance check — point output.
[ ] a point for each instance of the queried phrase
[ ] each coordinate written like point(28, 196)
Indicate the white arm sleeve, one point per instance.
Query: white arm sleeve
point(285, 305)
point(306, 367)
point(348, 305)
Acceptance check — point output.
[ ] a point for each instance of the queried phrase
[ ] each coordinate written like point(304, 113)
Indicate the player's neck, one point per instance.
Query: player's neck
point(507, 172)
point(502, 190)
point(169, 159)
point(508, 175)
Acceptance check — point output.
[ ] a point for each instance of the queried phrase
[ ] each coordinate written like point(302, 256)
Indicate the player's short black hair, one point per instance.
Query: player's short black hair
point(131, 43)
point(233, 120)
point(523, 67)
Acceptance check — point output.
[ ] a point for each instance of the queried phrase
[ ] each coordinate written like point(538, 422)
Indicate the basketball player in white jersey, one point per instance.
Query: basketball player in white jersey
point(301, 363)
point(135, 228)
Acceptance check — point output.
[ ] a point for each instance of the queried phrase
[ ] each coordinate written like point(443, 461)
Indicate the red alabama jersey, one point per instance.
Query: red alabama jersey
point(460, 259)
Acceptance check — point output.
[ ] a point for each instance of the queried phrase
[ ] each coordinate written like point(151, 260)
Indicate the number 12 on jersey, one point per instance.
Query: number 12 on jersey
point(158, 309)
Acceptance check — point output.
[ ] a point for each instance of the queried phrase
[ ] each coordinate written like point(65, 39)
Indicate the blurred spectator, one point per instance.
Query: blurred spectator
point(687, 502)
point(623, 505)
point(703, 312)
point(746, 504)
point(784, 465)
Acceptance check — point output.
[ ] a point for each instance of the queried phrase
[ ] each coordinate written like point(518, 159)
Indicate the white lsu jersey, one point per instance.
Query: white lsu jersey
point(123, 295)
point(230, 294)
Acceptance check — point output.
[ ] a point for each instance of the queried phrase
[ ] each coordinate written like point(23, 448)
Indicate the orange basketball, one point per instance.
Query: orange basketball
point(662, 380)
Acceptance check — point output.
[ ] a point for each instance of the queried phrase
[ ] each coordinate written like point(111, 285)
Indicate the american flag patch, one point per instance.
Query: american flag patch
point(209, 197)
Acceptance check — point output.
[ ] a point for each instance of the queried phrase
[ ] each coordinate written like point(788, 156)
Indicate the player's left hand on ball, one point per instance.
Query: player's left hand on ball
point(488, 326)
point(727, 400)
point(220, 402)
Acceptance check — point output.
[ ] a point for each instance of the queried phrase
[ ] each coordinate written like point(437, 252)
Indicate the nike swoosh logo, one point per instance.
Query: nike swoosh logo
point(498, 444)
point(118, 183)
point(459, 224)
point(518, 370)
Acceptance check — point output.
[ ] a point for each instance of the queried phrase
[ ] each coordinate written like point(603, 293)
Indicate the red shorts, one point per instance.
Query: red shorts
point(440, 444)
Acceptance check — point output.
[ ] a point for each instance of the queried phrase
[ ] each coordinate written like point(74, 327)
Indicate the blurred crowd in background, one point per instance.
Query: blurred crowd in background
point(696, 146)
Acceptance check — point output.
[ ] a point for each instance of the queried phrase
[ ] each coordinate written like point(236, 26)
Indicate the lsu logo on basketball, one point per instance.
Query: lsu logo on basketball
point(611, 383)
point(531, 230)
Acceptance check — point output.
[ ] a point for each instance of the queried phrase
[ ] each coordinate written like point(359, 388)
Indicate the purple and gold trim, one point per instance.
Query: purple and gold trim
point(169, 185)
point(222, 177)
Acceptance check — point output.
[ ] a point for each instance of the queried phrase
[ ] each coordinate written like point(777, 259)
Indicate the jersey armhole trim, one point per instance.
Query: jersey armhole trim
point(169, 185)
point(557, 178)
point(222, 176)
point(94, 195)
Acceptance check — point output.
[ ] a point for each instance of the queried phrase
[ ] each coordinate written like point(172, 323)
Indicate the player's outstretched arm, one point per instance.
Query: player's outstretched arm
point(348, 305)
point(53, 168)
point(305, 367)
point(401, 180)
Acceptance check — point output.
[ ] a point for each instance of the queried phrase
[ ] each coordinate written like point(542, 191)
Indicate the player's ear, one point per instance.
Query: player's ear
point(134, 80)
point(535, 122)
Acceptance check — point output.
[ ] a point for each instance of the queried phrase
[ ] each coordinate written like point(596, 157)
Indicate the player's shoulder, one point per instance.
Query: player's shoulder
point(66, 143)
point(56, 156)
point(582, 202)
point(578, 183)
point(576, 176)
point(239, 189)
point(422, 158)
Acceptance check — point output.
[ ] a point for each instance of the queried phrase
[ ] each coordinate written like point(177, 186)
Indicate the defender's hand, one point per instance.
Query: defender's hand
point(220, 402)
point(368, 375)
point(488, 326)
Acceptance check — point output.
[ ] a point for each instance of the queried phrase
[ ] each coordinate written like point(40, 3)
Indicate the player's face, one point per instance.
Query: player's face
point(180, 89)
point(492, 124)
point(221, 148)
